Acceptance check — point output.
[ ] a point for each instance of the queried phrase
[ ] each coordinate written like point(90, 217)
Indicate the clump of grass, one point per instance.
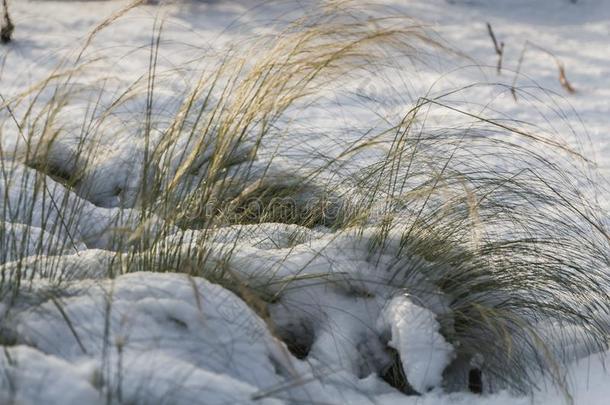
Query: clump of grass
point(516, 241)
point(490, 214)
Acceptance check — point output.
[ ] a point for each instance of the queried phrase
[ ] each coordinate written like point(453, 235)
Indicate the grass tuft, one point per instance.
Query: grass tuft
point(491, 216)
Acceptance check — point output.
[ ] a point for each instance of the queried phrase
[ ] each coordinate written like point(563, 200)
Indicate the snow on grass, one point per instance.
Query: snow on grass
point(415, 334)
point(35, 200)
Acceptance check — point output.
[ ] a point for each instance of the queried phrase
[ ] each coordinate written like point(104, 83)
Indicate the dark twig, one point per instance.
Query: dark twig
point(499, 48)
point(6, 32)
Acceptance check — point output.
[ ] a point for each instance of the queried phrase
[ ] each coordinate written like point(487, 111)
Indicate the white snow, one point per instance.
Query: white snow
point(27, 375)
point(423, 350)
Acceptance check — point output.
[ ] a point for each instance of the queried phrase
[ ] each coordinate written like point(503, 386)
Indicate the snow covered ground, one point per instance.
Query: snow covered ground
point(172, 338)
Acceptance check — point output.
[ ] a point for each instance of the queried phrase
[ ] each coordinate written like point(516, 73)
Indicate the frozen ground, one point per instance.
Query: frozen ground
point(171, 338)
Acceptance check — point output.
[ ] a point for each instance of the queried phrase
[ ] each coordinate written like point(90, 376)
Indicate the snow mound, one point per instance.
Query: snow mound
point(27, 373)
point(35, 200)
point(163, 338)
point(415, 334)
point(154, 330)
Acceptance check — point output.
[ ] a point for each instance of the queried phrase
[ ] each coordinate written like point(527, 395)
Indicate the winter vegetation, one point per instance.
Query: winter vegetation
point(288, 202)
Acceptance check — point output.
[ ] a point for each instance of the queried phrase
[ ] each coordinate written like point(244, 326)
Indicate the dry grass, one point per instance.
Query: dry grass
point(505, 230)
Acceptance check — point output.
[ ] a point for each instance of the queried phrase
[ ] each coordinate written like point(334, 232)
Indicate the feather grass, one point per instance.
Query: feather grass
point(496, 212)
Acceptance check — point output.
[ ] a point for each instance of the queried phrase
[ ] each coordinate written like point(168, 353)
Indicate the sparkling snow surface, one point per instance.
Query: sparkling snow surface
point(170, 338)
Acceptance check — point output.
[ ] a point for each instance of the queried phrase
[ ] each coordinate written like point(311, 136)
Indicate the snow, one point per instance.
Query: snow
point(26, 375)
point(211, 334)
point(415, 334)
point(89, 332)
point(19, 240)
point(33, 199)
point(163, 329)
